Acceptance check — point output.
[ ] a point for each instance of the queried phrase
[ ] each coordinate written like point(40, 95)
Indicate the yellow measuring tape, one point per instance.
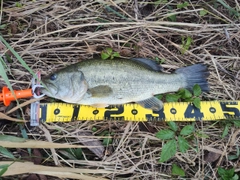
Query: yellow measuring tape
point(176, 111)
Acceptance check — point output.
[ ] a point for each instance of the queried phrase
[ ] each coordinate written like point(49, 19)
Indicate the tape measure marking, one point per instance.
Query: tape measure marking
point(178, 111)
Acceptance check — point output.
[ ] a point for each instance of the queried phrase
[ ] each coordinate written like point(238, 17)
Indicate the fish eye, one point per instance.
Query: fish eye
point(53, 77)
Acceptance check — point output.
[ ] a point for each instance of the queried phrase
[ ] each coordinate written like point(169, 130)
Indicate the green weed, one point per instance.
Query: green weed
point(3, 169)
point(18, 4)
point(186, 43)
point(203, 12)
point(4, 152)
point(3, 66)
point(228, 124)
point(108, 137)
point(185, 95)
point(236, 156)
point(72, 153)
point(175, 140)
point(109, 53)
point(176, 170)
point(227, 174)
point(182, 5)
point(231, 10)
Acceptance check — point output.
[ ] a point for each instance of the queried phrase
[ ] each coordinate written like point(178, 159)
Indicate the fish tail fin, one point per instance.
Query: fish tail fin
point(195, 74)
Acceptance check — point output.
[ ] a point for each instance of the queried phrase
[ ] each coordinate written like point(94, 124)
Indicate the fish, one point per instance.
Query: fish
point(101, 83)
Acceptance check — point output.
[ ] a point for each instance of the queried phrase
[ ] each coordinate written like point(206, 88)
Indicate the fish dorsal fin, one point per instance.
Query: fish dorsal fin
point(150, 64)
point(100, 91)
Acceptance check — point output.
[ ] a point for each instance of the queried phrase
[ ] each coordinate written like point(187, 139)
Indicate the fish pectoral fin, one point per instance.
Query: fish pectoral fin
point(99, 105)
point(152, 103)
point(100, 91)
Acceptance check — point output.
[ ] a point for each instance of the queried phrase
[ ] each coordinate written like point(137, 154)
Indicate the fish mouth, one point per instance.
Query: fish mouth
point(49, 89)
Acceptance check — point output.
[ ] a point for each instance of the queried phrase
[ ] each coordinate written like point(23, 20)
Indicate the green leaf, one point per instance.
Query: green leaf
point(9, 59)
point(172, 97)
point(24, 64)
point(202, 134)
point(168, 150)
point(189, 99)
point(185, 94)
point(172, 18)
point(230, 9)
point(165, 134)
point(197, 102)
point(94, 129)
point(109, 51)
point(3, 26)
point(3, 168)
point(203, 12)
point(187, 130)
point(6, 153)
point(72, 153)
point(226, 174)
point(11, 138)
point(77, 152)
point(225, 131)
point(197, 90)
point(186, 44)
point(160, 96)
point(189, 41)
point(104, 55)
point(68, 154)
point(181, 92)
point(232, 157)
point(183, 144)
point(237, 123)
point(172, 125)
point(235, 177)
point(18, 4)
point(157, 2)
point(182, 5)
point(107, 141)
point(116, 54)
point(4, 75)
point(176, 170)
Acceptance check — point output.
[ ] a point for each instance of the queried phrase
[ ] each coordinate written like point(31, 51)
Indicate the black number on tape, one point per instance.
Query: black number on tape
point(161, 115)
point(76, 109)
point(230, 111)
point(111, 114)
point(193, 112)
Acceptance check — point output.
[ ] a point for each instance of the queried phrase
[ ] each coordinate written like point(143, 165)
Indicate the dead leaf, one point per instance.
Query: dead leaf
point(16, 168)
point(83, 137)
point(234, 137)
point(37, 156)
point(37, 144)
point(3, 116)
point(125, 52)
point(14, 27)
point(211, 156)
point(32, 177)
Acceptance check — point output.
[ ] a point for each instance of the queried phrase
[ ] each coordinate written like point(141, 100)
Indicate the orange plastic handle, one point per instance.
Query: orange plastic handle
point(6, 96)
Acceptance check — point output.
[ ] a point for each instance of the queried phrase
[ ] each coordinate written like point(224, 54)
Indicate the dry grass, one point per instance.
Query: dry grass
point(49, 35)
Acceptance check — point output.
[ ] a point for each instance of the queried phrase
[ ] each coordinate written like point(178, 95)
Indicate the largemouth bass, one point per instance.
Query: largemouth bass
point(101, 83)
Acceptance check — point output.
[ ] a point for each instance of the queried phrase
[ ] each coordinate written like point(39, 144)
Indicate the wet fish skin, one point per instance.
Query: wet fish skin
point(106, 82)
